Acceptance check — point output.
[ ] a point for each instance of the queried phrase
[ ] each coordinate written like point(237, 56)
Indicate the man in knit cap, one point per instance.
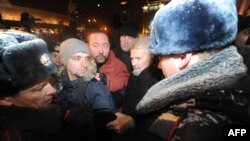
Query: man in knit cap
point(89, 96)
point(205, 89)
point(27, 89)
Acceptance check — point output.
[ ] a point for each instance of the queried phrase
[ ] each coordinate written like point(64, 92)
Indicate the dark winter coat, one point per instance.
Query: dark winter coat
point(28, 124)
point(207, 96)
point(136, 89)
point(96, 96)
point(116, 77)
point(124, 57)
point(85, 116)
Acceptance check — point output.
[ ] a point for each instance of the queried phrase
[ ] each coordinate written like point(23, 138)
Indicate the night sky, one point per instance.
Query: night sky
point(107, 10)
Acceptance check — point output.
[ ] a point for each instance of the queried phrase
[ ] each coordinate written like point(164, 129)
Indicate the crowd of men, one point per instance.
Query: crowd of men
point(187, 80)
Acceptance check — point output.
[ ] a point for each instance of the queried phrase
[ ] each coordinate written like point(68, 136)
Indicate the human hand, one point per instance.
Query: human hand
point(101, 77)
point(121, 123)
point(97, 76)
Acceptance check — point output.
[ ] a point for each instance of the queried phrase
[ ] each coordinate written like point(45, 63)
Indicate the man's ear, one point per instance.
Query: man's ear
point(185, 60)
point(4, 102)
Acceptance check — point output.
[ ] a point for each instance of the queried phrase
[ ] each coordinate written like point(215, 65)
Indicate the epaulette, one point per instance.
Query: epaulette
point(165, 125)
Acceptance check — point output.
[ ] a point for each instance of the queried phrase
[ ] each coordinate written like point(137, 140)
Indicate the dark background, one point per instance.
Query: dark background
point(108, 12)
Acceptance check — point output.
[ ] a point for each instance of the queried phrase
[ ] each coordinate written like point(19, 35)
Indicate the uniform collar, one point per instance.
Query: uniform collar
point(220, 70)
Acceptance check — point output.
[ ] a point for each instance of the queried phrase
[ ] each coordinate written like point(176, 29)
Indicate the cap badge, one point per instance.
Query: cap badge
point(45, 60)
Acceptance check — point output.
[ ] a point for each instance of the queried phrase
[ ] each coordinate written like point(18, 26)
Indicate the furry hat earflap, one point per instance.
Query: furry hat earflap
point(70, 47)
point(24, 61)
point(193, 25)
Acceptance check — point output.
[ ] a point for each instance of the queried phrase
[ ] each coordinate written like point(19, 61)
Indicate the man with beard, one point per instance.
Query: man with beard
point(87, 102)
point(111, 70)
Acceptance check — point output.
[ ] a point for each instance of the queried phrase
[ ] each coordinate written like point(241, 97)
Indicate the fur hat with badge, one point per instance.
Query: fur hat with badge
point(24, 61)
point(193, 25)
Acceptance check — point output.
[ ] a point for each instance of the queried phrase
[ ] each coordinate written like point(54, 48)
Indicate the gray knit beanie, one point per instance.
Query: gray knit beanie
point(70, 47)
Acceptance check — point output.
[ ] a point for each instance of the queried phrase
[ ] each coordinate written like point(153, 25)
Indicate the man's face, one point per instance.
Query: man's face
point(126, 43)
point(37, 96)
point(169, 65)
point(99, 47)
point(140, 59)
point(77, 65)
point(56, 58)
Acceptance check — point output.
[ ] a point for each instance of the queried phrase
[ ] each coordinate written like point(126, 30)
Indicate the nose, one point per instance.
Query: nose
point(133, 62)
point(125, 39)
point(101, 50)
point(84, 62)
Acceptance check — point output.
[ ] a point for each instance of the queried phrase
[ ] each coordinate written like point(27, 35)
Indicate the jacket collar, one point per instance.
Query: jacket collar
point(110, 58)
point(144, 76)
point(65, 80)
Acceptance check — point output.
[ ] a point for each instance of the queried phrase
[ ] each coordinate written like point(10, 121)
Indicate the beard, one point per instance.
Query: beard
point(100, 59)
point(79, 75)
point(136, 72)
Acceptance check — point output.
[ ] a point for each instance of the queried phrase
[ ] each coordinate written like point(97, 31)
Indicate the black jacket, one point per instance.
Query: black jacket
point(124, 57)
point(85, 116)
point(205, 98)
point(27, 124)
point(136, 89)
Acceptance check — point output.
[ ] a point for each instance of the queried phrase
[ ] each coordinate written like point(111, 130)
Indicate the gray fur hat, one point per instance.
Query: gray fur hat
point(70, 47)
point(24, 61)
point(193, 25)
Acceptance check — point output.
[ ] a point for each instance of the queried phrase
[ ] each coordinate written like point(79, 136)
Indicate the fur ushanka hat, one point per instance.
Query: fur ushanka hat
point(24, 61)
point(193, 25)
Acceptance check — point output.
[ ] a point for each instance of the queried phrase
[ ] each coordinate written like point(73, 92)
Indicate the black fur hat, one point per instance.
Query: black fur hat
point(129, 29)
point(24, 61)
